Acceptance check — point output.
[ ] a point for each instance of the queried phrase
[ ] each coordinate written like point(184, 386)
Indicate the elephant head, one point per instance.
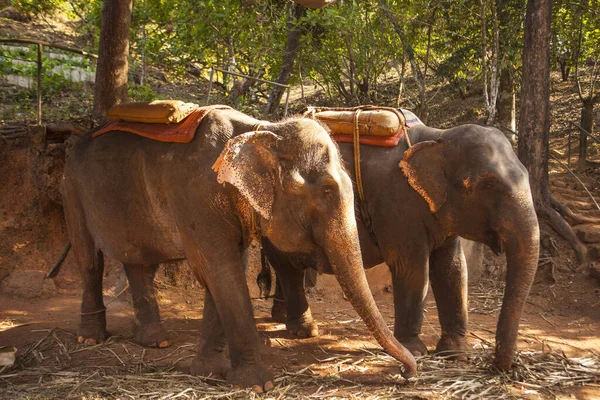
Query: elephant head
point(293, 178)
point(476, 187)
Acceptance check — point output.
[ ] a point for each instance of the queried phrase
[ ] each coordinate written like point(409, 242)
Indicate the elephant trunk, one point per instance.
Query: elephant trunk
point(343, 251)
point(520, 236)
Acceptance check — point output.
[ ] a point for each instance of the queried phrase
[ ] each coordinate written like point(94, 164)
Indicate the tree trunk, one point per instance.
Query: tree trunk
point(506, 104)
point(295, 12)
point(534, 118)
point(565, 68)
point(495, 69)
point(113, 65)
point(484, 79)
point(587, 123)
point(418, 75)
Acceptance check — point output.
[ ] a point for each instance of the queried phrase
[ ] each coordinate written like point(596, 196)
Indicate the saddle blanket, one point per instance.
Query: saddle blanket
point(181, 132)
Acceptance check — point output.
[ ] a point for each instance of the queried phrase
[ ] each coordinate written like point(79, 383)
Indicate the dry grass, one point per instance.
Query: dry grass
point(57, 366)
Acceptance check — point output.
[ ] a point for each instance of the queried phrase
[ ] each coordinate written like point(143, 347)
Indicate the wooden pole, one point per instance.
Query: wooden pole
point(39, 84)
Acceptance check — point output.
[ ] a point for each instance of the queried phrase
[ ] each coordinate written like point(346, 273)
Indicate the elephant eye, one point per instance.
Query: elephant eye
point(488, 184)
point(327, 190)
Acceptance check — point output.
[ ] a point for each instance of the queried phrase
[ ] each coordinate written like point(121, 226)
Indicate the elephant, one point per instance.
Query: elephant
point(144, 202)
point(463, 182)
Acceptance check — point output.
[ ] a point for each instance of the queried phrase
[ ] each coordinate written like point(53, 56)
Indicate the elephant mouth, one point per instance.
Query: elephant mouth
point(494, 242)
point(316, 259)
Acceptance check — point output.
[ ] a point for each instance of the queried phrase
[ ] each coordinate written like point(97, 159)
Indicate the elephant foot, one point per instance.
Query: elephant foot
point(151, 335)
point(255, 376)
point(303, 327)
point(503, 359)
point(216, 366)
point(453, 346)
point(278, 311)
point(92, 331)
point(413, 344)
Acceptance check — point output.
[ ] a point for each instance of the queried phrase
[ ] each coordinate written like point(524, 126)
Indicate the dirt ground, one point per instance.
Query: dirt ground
point(563, 318)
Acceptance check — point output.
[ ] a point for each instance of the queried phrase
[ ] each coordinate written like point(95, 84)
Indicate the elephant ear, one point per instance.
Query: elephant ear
point(248, 162)
point(423, 165)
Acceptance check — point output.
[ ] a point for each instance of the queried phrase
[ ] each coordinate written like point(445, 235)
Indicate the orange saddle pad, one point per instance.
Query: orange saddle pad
point(181, 132)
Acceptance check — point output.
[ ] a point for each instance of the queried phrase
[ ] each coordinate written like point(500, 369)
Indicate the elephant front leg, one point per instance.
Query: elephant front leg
point(210, 359)
point(410, 288)
point(448, 273)
point(147, 330)
point(299, 320)
point(219, 265)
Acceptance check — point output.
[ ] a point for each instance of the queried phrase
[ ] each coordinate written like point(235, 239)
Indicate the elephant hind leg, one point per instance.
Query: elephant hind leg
point(92, 327)
point(299, 321)
point(279, 309)
point(210, 359)
point(90, 262)
point(148, 330)
point(448, 273)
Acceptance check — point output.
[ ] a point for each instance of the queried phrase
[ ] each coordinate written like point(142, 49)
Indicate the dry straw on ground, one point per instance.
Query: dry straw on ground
point(59, 367)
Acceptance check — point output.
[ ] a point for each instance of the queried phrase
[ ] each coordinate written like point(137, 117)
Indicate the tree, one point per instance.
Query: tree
point(113, 57)
point(419, 72)
point(295, 28)
point(510, 18)
point(490, 93)
point(534, 121)
point(587, 57)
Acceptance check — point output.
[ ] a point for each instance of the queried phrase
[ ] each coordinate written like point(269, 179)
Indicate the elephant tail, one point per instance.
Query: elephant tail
point(263, 280)
point(56, 269)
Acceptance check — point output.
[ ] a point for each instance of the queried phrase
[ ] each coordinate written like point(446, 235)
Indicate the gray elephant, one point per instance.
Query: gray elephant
point(144, 202)
point(461, 182)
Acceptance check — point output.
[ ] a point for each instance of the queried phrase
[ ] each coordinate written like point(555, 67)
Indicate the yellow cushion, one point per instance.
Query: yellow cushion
point(156, 111)
point(371, 122)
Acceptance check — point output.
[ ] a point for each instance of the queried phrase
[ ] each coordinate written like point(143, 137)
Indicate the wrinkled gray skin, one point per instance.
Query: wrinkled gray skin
point(467, 182)
point(144, 202)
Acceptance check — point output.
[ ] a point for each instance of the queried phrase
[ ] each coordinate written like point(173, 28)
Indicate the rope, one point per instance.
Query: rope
point(408, 143)
point(356, 134)
point(103, 309)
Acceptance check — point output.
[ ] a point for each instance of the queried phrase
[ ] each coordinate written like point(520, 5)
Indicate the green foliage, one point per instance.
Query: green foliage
point(347, 49)
point(576, 32)
point(142, 93)
point(38, 7)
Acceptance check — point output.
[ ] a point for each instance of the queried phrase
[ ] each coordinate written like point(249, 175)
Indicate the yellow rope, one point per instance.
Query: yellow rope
point(310, 112)
point(359, 186)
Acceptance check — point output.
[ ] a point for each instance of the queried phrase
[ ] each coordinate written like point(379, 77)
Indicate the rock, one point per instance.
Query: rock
point(28, 284)
point(588, 233)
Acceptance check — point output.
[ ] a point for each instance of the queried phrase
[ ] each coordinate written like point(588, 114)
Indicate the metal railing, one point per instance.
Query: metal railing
point(40, 45)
